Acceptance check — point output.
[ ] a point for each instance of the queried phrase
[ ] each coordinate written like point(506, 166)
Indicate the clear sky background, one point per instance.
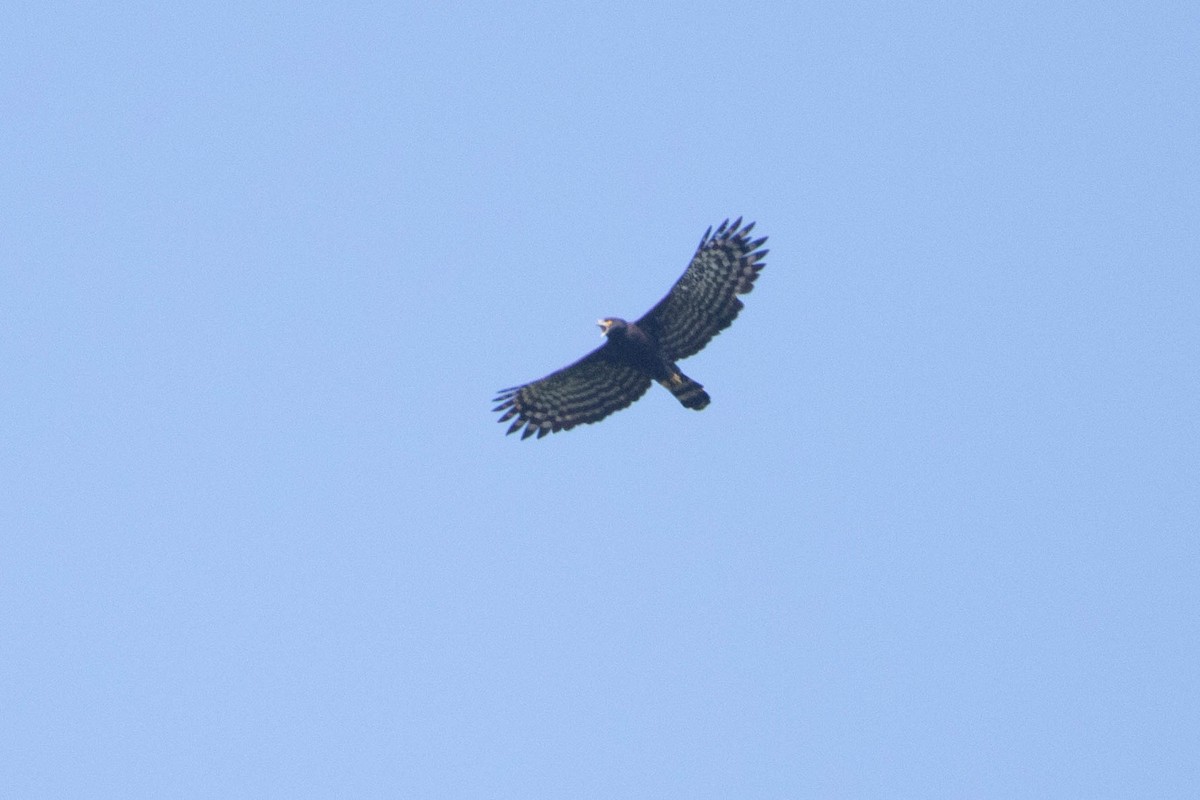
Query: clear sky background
point(265, 265)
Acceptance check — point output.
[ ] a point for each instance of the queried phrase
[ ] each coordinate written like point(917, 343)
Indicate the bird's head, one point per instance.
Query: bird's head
point(611, 325)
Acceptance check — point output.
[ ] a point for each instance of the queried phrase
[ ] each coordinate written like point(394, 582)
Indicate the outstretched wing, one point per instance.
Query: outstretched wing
point(703, 302)
point(587, 391)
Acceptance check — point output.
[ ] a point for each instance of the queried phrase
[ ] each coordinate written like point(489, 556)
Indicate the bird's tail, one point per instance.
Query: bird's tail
point(686, 390)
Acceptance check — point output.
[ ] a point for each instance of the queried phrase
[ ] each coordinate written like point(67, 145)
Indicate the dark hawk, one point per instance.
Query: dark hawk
point(701, 304)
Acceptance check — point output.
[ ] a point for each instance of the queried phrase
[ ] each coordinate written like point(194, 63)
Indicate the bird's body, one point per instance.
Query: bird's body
point(701, 304)
point(637, 347)
point(634, 345)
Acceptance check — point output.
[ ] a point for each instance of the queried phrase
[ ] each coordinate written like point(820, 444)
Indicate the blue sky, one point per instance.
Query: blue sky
point(265, 265)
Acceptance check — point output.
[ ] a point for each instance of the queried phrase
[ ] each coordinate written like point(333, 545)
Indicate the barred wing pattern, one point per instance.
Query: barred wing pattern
point(587, 391)
point(703, 302)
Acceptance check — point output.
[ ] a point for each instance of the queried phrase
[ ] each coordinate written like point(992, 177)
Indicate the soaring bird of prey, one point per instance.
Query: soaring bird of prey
point(701, 304)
